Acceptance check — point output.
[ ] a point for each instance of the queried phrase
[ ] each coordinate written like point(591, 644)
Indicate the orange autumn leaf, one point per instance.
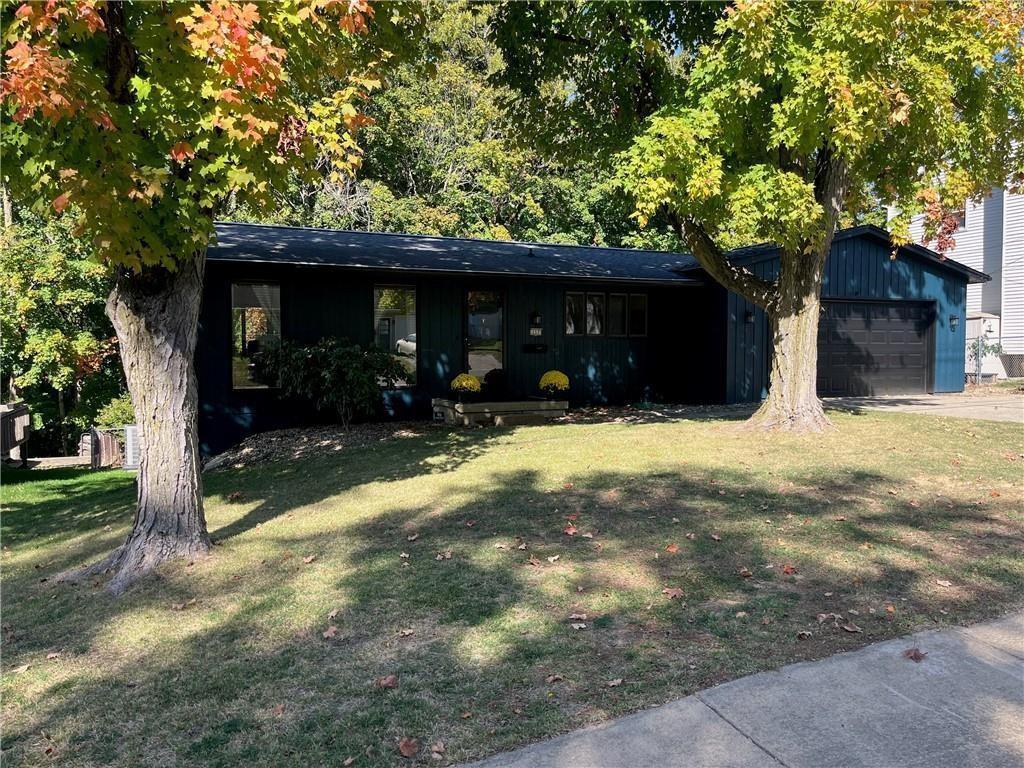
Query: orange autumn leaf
point(182, 151)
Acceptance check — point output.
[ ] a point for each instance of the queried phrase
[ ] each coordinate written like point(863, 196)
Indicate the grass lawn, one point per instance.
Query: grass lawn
point(441, 559)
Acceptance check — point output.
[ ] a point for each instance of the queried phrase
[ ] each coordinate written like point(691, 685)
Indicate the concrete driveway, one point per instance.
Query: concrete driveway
point(1009, 407)
point(962, 704)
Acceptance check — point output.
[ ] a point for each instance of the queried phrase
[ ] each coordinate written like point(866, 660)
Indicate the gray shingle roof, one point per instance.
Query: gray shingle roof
point(254, 243)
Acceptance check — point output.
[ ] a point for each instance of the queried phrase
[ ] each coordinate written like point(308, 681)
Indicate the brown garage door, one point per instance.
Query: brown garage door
point(873, 348)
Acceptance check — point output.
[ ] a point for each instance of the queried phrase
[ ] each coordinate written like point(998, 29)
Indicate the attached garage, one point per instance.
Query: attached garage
point(874, 348)
point(891, 324)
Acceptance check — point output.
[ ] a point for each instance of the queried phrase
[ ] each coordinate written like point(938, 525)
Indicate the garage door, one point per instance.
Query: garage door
point(869, 348)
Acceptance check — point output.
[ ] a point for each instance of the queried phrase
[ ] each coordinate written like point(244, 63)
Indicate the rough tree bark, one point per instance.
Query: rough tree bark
point(156, 315)
point(792, 303)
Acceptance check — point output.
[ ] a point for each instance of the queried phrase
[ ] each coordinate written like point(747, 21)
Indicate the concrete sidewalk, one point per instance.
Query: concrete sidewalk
point(962, 706)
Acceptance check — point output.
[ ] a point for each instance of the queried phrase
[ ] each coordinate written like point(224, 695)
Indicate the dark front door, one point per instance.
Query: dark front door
point(874, 348)
point(485, 335)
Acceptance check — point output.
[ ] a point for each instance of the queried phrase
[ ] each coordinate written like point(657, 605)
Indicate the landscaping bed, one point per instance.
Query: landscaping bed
point(475, 590)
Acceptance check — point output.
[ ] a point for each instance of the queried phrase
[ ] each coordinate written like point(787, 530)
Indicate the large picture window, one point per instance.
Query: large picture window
point(394, 324)
point(256, 335)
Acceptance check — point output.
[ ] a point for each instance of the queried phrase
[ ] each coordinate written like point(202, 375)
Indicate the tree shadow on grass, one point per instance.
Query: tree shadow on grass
point(480, 632)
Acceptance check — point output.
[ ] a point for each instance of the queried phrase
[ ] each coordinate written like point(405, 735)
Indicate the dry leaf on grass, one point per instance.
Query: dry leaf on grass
point(404, 632)
point(533, 561)
point(588, 535)
point(715, 537)
point(614, 683)
point(470, 523)
point(412, 537)
point(388, 681)
point(944, 583)
point(308, 559)
point(348, 761)
point(333, 614)
point(330, 632)
point(22, 669)
point(851, 627)
point(556, 678)
point(672, 593)
point(437, 749)
point(53, 655)
point(278, 710)
point(691, 536)
point(408, 747)
point(746, 573)
point(578, 625)
point(569, 530)
point(577, 617)
point(672, 548)
point(573, 516)
point(522, 546)
point(183, 606)
point(803, 634)
point(553, 558)
point(446, 555)
point(404, 556)
point(915, 654)
point(788, 569)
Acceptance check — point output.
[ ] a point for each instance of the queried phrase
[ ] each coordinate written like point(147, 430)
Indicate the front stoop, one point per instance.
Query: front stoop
point(501, 414)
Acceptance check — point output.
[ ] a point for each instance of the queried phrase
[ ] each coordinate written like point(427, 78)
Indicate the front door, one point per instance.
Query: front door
point(485, 335)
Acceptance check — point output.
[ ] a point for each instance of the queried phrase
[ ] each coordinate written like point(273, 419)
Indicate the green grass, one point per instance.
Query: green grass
point(871, 517)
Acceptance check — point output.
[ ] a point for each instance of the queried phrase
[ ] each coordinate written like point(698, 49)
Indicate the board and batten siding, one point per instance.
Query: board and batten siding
point(857, 268)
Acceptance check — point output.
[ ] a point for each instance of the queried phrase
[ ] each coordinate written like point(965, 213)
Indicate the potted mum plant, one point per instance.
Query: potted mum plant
point(465, 385)
point(554, 383)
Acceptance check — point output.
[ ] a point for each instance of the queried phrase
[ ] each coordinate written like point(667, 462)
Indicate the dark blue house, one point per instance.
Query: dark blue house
point(625, 325)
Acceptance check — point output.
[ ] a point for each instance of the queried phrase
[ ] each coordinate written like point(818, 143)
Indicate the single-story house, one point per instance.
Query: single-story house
point(625, 325)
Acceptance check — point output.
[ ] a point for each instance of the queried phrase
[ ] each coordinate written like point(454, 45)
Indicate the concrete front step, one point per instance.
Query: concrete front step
point(500, 413)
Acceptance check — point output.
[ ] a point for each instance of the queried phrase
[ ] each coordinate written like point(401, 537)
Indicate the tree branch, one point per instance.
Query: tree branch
point(122, 58)
point(741, 280)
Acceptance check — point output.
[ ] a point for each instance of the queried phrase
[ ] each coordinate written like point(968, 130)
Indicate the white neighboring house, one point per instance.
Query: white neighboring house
point(991, 239)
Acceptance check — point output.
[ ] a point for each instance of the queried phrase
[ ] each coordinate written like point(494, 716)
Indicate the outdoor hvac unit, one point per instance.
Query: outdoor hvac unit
point(132, 449)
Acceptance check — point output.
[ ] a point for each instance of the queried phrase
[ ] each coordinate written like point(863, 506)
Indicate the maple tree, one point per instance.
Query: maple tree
point(148, 117)
point(779, 120)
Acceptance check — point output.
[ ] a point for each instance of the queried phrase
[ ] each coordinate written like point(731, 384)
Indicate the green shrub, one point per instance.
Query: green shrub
point(336, 375)
point(117, 412)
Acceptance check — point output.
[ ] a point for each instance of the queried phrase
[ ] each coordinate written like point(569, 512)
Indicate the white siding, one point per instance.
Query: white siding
point(1012, 314)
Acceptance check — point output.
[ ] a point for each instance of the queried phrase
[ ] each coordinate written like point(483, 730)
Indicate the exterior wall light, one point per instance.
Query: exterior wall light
point(954, 321)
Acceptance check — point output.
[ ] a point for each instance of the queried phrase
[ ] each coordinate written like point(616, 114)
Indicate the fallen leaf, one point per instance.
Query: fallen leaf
point(553, 558)
point(890, 609)
point(994, 494)
point(893, 492)
point(788, 569)
point(446, 555)
point(915, 654)
point(577, 617)
point(235, 496)
point(672, 548)
point(672, 593)
point(573, 516)
point(522, 546)
point(835, 617)
point(333, 614)
point(388, 681)
point(413, 537)
point(839, 519)
point(330, 632)
point(22, 669)
point(404, 556)
point(567, 486)
point(533, 560)
point(53, 655)
point(715, 537)
point(803, 635)
point(466, 715)
point(501, 546)
point(556, 678)
point(614, 683)
point(587, 535)
point(278, 710)
point(470, 523)
point(745, 573)
point(437, 748)
point(569, 530)
point(741, 614)
point(944, 583)
point(183, 606)
point(308, 559)
point(578, 625)
point(348, 761)
point(851, 627)
point(408, 747)
point(691, 536)
point(675, 519)
point(404, 632)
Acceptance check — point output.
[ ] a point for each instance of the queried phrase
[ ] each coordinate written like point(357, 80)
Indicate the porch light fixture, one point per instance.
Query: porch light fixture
point(954, 321)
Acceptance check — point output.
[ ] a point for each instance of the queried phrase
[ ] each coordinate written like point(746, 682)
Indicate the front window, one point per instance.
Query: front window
point(574, 314)
point(256, 335)
point(595, 314)
point(394, 323)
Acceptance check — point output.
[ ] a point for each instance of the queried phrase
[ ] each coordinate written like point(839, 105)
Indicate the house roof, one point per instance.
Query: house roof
point(266, 243)
point(260, 243)
point(754, 253)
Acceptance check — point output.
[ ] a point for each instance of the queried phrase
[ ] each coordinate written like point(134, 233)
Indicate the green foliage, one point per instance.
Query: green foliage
point(336, 375)
point(149, 116)
point(117, 412)
point(446, 155)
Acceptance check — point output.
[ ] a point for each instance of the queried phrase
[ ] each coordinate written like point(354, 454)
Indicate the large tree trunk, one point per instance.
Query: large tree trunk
point(156, 316)
point(792, 403)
